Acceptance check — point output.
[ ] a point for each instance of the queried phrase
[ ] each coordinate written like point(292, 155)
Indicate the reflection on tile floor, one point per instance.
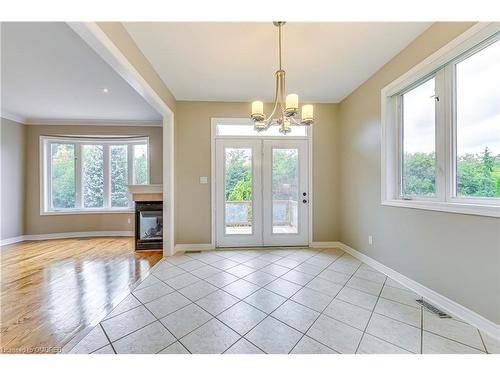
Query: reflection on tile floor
point(286, 300)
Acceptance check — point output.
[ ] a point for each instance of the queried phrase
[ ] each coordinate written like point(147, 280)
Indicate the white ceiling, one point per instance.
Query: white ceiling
point(49, 72)
point(324, 62)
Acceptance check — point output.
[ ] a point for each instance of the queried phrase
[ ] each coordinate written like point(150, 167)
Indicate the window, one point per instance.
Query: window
point(478, 124)
point(419, 142)
point(91, 174)
point(441, 129)
point(237, 127)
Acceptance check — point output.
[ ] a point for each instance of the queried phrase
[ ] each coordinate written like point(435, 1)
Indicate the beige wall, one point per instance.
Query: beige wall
point(42, 224)
point(455, 255)
point(12, 137)
point(117, 33)
point(192, 160)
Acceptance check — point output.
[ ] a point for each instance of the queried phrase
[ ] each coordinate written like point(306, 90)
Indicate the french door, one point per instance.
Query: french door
point(262, 193)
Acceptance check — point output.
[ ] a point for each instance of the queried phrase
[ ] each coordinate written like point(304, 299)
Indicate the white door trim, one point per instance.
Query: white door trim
point(213, 135)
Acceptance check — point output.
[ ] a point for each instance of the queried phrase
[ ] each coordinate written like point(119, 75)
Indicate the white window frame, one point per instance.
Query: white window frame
point(45, 172)
point(441, 65)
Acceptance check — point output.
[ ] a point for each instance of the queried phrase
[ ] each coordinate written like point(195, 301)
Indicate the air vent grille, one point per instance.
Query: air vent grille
point(433, 309)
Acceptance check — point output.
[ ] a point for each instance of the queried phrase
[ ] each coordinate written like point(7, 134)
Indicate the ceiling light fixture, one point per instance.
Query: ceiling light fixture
point(286, 110)
point(105, 90)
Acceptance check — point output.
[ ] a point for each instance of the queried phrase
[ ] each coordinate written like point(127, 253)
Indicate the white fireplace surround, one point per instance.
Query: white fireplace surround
point(146, 189)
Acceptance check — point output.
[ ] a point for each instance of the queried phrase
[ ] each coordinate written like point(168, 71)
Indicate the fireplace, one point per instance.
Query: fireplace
point(148, 225)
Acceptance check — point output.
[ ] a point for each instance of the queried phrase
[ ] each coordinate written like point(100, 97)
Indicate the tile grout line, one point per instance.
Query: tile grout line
point(484, 343)
point(109, 340)
point(421, 329)
point(371, 315)
point(322, 311)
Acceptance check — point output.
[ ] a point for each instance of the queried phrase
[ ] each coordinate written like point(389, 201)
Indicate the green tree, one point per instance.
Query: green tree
point(419, 173)
point(285, 177)
point(119, 176)
point(238, 170)
point(242, 191)
point(478, 175)
point(93, 179)
point(141, 169)
point(63, 175)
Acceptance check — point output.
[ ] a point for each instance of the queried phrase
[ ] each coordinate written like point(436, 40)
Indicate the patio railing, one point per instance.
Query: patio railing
point(239, 213)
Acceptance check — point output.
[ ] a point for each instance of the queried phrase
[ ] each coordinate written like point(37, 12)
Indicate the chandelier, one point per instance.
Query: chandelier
point(286, 111)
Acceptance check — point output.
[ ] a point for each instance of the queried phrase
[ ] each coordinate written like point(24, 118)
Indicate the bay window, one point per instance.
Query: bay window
point(88, 174)
point(441, 129)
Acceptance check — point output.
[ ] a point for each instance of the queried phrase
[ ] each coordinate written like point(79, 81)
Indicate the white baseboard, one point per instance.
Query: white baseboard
point(11, 240)
point(53, 236)
point(193, 247)
point(441, 301)
point(324, 244)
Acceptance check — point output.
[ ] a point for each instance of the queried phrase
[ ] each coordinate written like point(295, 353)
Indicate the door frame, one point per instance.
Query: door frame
point(247, 121)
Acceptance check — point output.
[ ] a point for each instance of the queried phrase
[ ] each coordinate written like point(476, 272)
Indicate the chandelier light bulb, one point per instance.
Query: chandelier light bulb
point(292, 103)
point(258, 110)
point(307, 114)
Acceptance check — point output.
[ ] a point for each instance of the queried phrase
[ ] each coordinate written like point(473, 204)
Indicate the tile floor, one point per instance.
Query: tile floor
point(309, 301)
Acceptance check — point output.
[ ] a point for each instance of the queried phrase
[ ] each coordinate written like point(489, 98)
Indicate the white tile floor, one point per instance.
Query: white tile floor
point(311, 301)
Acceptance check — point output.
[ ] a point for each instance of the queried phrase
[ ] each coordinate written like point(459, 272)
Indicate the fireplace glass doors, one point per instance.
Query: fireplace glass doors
point(148, 225)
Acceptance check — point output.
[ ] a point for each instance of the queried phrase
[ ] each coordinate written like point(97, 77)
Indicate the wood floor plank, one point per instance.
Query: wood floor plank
point(51, 290)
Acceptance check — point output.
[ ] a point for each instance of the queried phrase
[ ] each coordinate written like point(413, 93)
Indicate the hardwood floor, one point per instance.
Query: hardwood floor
point(51, 290)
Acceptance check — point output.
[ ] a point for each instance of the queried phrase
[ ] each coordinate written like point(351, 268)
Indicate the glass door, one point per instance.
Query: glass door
point(285, 193)
point(261, 189)
point(238, 193)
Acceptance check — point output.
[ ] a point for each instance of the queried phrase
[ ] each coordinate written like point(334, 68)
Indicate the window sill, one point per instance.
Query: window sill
point(87, 212)
point(458, 208)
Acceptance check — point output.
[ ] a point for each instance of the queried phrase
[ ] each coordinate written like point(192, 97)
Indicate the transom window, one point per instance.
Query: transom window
point(441, 131)
point(91, 174)
point(241, 127)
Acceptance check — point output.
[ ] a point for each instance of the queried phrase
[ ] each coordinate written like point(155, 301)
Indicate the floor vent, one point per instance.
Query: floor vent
point(192, 251)
point(433, 309)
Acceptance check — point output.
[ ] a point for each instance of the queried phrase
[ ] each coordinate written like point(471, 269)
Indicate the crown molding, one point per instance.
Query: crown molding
point(12, 117)
point(92, 122)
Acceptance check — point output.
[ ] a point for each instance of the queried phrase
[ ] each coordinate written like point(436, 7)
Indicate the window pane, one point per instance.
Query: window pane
point(419, 145)
point(238, 190)
point(63, 175)
point(119, 176)
point(93, 176)
point(478, 124)
point(249, 130)
point(141, 164)
point(285, 189)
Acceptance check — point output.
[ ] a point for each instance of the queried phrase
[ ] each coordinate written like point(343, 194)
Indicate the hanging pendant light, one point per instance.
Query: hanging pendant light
point(286, 110)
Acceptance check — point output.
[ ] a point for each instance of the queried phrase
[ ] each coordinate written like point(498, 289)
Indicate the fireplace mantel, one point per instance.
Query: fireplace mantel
point(146, 193)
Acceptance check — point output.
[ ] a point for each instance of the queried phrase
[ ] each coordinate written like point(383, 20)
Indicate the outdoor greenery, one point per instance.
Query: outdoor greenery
point(140, 165)
point(63, 175)
point(92, 175)
point(63, 182)
point(238, 175)
point(119, 176)
point(478, 175)
point(285, 174)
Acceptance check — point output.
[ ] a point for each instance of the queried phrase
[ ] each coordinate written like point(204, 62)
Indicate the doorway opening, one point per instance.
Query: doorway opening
point(260, 185)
